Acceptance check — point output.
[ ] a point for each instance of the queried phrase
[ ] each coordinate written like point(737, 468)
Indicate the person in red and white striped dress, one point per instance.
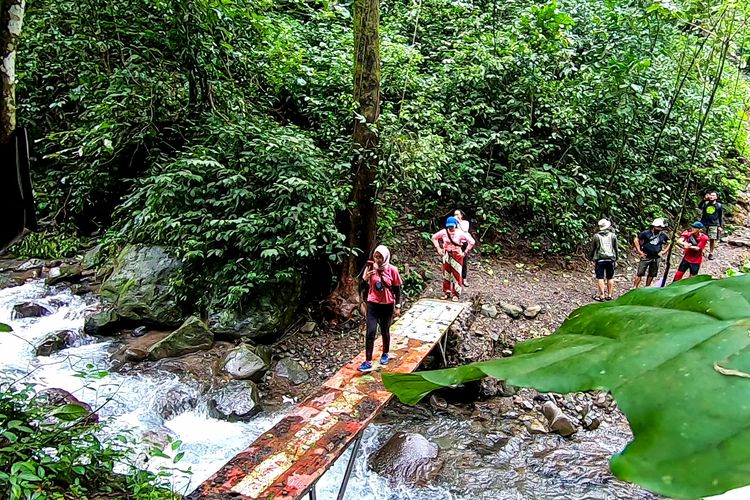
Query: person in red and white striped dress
point(449, 243)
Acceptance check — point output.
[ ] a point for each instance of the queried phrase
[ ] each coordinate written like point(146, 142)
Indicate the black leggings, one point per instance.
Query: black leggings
point(378, 314)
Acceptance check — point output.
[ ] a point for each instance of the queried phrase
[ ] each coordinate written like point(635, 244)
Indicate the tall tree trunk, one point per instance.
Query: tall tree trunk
point(11, 20)
point(361, 224)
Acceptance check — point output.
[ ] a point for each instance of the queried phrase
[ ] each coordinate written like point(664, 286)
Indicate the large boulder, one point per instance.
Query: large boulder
point(139, 287)
point(238, 400)
point(408, 458)
point(246, 362)
point(192, 336)
point(264, 316)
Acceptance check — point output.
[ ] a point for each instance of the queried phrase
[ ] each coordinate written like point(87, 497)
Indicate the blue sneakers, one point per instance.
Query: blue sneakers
point(365, 367)
point(384, 359)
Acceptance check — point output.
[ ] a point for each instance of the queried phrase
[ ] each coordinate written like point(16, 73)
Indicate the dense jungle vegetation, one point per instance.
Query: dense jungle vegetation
point(222, 128)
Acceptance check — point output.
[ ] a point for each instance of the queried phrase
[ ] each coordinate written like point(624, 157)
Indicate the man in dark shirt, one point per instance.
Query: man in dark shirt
point(650, 247)
point(713, 218)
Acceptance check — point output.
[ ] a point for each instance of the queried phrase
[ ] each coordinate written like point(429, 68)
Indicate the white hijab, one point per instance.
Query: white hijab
point(383, 250)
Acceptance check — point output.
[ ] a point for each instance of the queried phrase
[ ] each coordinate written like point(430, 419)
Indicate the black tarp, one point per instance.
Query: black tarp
point(16, 197)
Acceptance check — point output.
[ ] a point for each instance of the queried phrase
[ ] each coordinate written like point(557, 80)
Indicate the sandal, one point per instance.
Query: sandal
point(455, 298)
point(609, 297)
point(446, 296)
point(599, 299)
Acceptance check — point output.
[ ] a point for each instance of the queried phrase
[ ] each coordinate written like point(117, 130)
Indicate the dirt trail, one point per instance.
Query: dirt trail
point(491, 280)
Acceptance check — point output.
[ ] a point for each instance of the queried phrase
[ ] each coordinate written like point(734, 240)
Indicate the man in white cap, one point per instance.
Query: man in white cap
point(650, 247)
point(603, 253)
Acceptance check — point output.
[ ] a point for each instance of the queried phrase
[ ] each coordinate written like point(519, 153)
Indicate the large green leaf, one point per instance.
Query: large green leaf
point(677, 361)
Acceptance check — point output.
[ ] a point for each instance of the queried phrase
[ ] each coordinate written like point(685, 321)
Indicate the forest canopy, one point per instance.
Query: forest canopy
point(222, 128)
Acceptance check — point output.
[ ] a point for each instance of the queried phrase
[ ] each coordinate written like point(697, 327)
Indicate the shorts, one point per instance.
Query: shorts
point(685, 265)
point(652, 265)
point(712, 232)
point(605, 268)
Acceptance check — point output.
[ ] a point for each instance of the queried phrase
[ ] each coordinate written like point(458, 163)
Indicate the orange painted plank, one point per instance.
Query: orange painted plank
point(287, 460)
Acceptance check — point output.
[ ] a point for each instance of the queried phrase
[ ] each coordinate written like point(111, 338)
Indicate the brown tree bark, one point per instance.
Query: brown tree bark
point(361, 224)
point(11, 21)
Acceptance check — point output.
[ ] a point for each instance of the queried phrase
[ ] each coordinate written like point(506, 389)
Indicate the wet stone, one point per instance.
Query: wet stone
point(238, 400)
point(30, 310)
point(408, 458)
point(59, 340)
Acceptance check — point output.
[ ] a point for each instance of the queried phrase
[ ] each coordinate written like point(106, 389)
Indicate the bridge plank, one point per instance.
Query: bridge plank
point(287, 460)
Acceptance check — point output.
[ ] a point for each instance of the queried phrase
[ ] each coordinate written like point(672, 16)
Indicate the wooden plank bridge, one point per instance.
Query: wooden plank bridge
point(286, 461)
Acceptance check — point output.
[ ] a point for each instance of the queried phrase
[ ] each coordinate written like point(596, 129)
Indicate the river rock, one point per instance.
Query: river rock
point(56, 398)
point(263, 316)
point(532, 311)
point(178, 399)
point(243, 362)
point(59, 340)
point(290, 369)
point(592, 421)
point(191, 336)
point(30, 310)
point(534, 426)
point(489, 310)
point(67, 273)
point(139, 287)
point(438, 403)
point(308, 327)
point(558, 421)
point(238, 400)
point(408, 458)
point(30, 264)
point(80, 289)
point(511, 310)
point(740, 238)
point(104, 322)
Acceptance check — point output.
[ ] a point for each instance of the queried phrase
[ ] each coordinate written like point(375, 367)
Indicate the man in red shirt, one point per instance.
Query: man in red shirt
point(693, 242)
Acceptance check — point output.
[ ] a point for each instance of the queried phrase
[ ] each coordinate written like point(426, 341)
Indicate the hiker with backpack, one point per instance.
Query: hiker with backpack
point(449, 243)
point(603, 253)
point(650, 247)
point(383, 303)
point(693, 241)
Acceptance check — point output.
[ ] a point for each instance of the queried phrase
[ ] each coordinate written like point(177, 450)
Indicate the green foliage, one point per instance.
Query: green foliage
point(223, 127)
point(744, 269)
point(55, 453)
point(676, 361)
point(48, 245)
point(414, 283)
